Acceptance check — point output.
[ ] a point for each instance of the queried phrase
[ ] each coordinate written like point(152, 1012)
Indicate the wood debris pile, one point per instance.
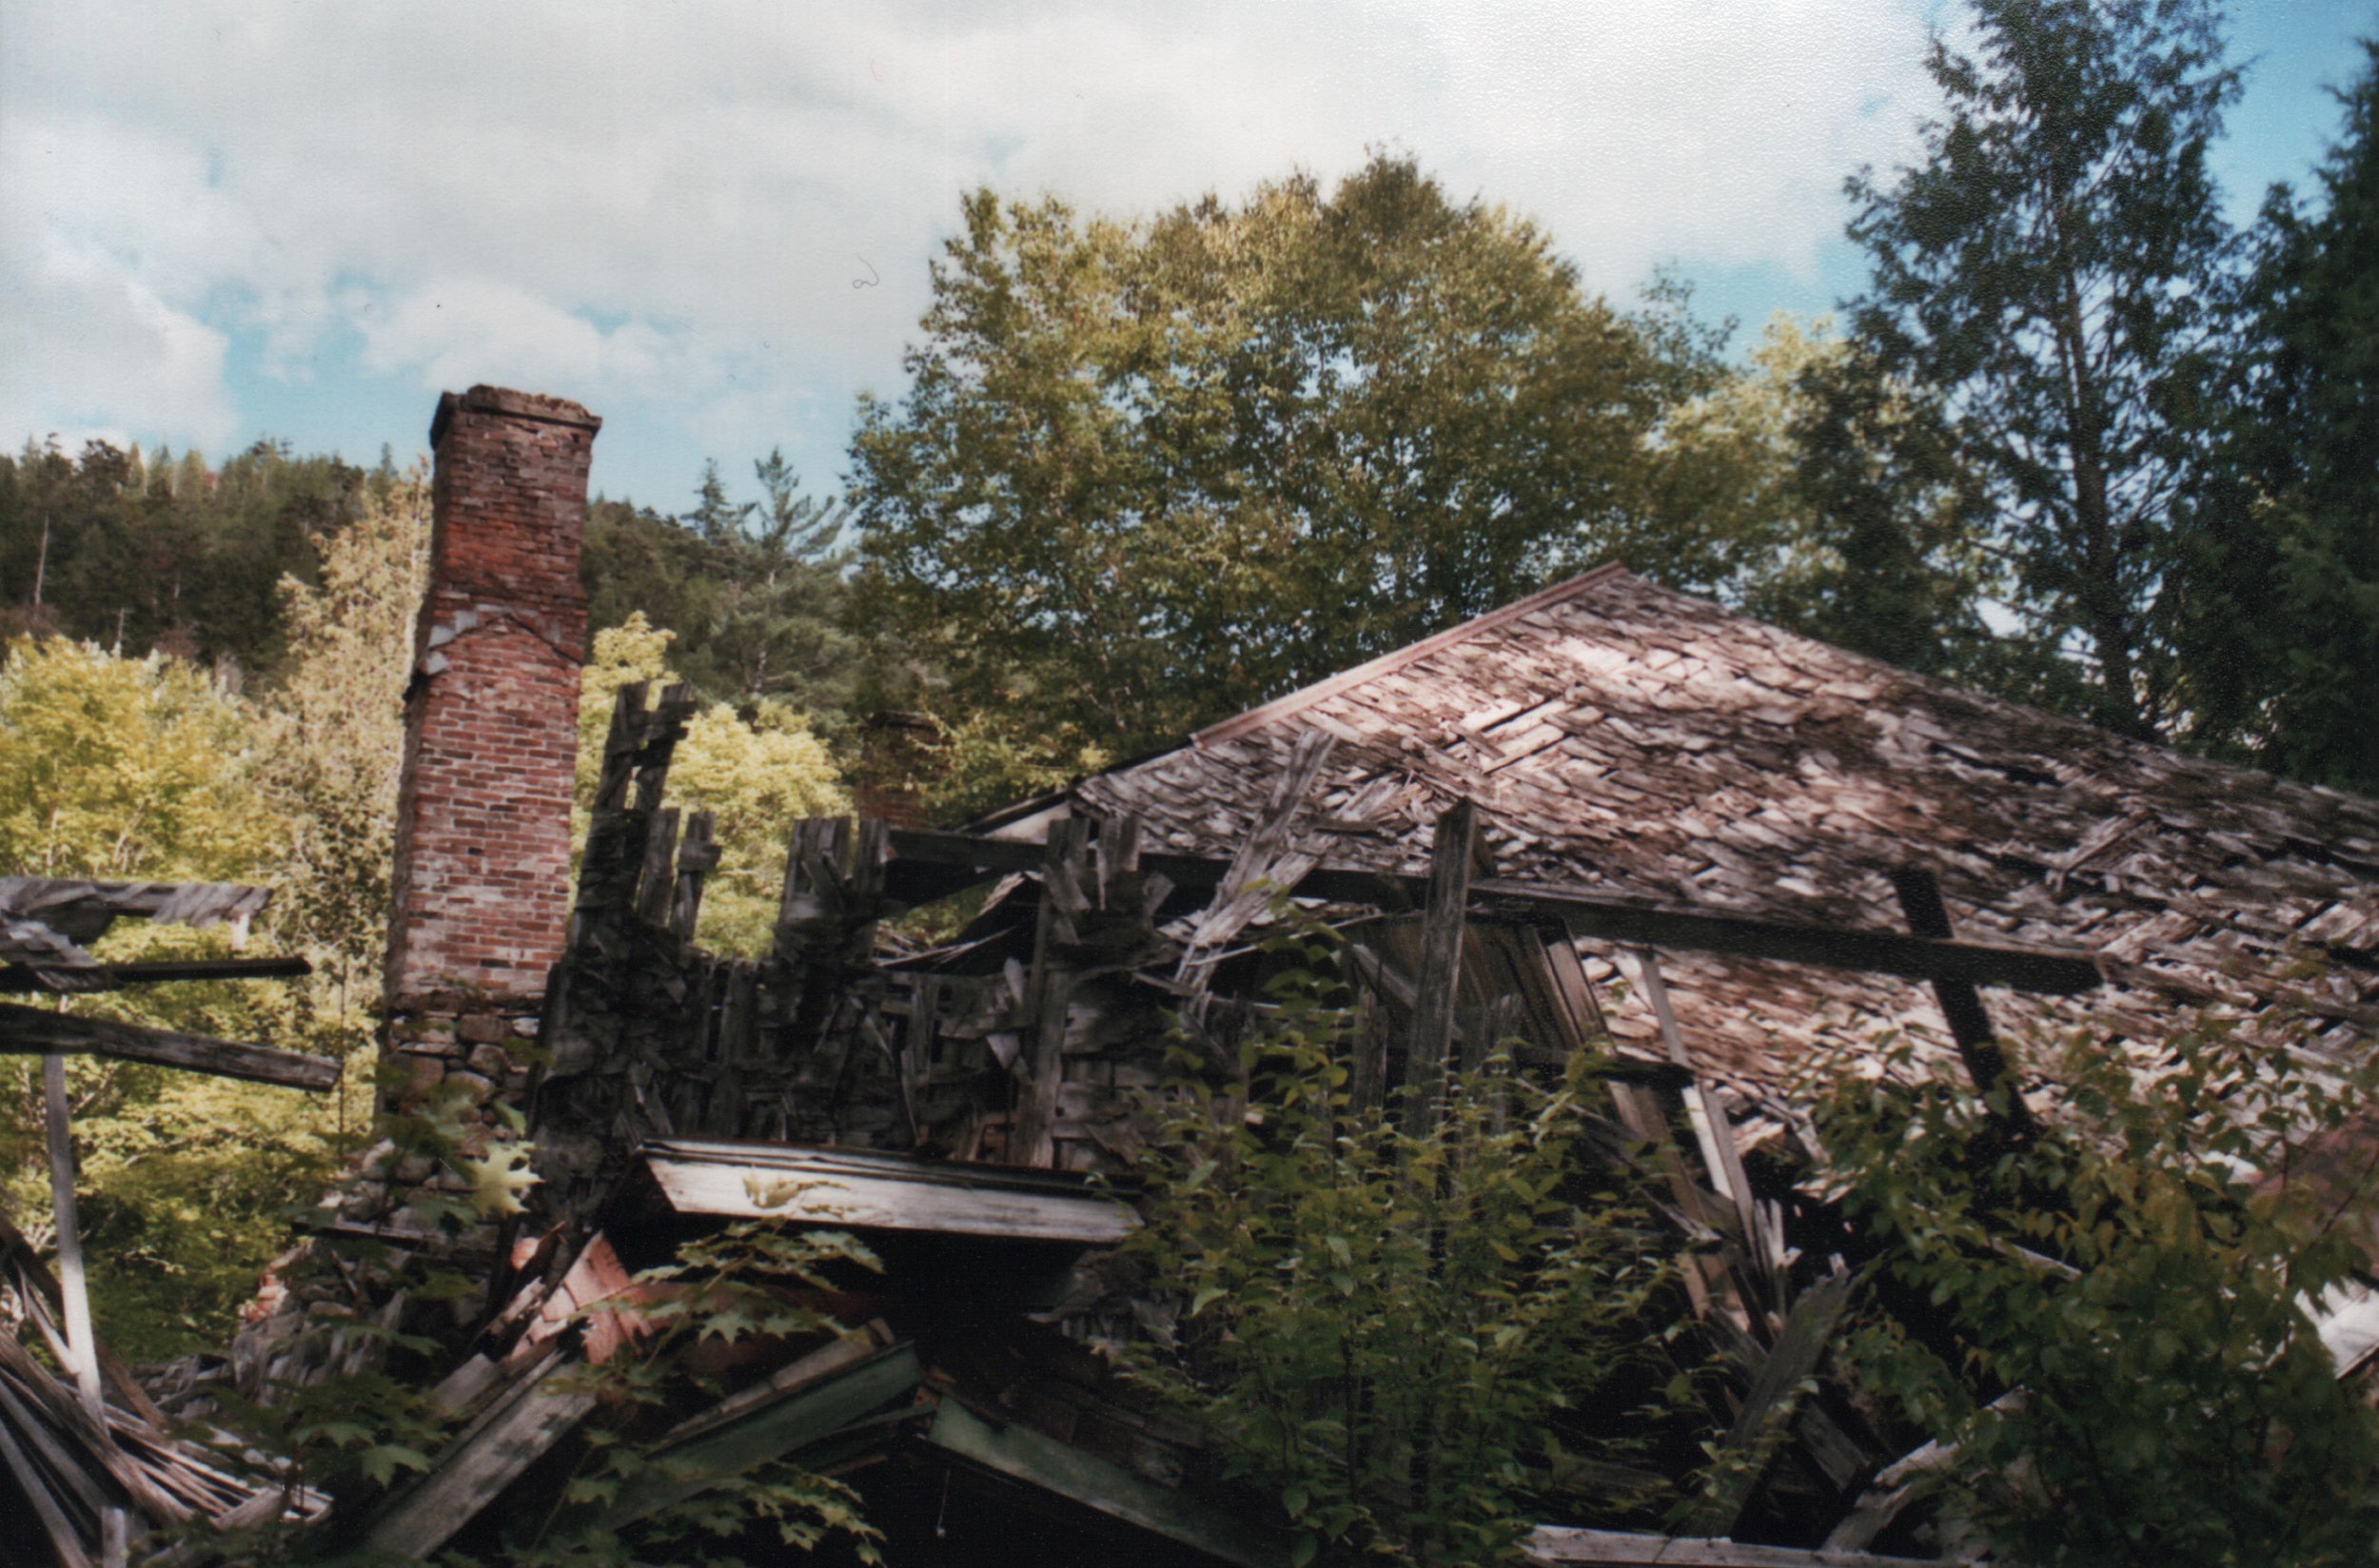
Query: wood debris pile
point(66, 1471)
point(88, 1462)
point(953, 1101)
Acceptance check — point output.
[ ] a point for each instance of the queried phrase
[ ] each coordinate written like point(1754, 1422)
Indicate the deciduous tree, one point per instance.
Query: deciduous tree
point(1149, 472)
point(756, 776)
point(2111, 1320)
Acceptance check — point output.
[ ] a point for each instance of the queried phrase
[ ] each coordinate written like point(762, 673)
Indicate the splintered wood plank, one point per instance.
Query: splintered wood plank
point(1597, 916)
point(486, 1457)
point(1049, 989)
point(1267, 862)
point(883, 1191)
point(1022, 1454)
point(1580, 1013)
point(1711, 1128)
point(64, 1539)
point(654, 884)
point(84, 908)
point(1794, 1356)
point(806, 1403)
point(34, 1030)
point(18, 980)
point(697, 857)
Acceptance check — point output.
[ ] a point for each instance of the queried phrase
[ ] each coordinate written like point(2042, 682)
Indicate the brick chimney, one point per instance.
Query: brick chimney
point(481, 898)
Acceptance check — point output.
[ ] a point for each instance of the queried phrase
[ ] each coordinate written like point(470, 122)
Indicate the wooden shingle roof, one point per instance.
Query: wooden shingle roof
point(1629, 740)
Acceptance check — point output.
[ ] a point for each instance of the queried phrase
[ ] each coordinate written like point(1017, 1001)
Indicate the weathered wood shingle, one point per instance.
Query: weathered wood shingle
point(1625, 738)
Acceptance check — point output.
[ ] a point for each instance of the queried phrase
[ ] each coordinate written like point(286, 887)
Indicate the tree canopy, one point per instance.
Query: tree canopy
point(756, 776)
point(1149, 472)
point(135, 551)
point(755, 591)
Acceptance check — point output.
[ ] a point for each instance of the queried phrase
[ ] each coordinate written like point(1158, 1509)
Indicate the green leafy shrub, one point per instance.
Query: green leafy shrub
point(1390, 1331)
point(720, 1289)
point(2109, 1319)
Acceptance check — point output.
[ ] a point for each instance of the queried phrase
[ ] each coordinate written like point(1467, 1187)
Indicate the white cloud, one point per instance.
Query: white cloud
point(666, 206)
point(87, 351)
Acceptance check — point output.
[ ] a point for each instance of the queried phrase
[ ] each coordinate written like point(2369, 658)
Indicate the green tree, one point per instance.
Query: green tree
point(1858, 523)
point(784, 625)
point(2055, 271)
point(1148, 473)
point(334, 727)
point(146, 769)
point(2281, 591)
point(136, 554)
point(2108, 1320)
point(757, 592)
point(756, 776)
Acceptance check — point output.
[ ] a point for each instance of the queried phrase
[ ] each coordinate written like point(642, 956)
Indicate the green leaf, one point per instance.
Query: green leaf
point(381, 1461)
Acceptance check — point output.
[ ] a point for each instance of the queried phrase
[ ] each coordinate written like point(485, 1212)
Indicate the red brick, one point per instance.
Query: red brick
point(481, 894)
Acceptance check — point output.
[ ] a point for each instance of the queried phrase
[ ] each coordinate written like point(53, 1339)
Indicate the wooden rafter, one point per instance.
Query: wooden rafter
point(928, 864)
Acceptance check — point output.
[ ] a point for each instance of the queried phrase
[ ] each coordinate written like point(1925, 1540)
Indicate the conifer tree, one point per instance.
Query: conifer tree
point(2054, 270)
point(2281, 589)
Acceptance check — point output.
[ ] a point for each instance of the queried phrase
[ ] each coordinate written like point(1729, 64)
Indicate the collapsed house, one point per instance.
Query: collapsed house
point(1606, 811)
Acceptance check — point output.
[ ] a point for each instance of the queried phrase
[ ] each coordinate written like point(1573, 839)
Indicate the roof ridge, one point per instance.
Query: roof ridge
point(1281, 707)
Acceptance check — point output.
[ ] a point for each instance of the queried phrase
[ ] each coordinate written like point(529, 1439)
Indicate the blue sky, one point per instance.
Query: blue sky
point(710, 220)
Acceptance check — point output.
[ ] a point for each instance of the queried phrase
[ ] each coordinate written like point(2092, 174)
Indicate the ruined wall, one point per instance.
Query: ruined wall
point(481, 894)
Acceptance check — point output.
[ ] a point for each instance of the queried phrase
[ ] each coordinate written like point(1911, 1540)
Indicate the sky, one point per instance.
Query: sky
point(710, 221)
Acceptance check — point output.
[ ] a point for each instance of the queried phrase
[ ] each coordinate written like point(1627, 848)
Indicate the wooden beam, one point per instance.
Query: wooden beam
point(872, 1191)
point(66, 1542)
point(37, 1029)
point(72, 1293)
point(1438, 986)
point(930, 864)
point(83, 910)
point(815, 1397)
point(1970, 1023)
point(1773, 1388)
point(18, 979)
point(1558, 1544)
point(486, 1457)
point(1049, 991)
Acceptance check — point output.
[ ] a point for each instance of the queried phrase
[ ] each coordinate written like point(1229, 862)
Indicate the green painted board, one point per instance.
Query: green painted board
point(1022, 1454)
point(769, 1431)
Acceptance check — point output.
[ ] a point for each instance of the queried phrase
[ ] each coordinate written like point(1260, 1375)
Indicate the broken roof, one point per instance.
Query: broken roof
point(1626, 738)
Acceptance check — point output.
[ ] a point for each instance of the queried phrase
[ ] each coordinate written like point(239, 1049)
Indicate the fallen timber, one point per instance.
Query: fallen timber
point(99, 1479)
point(37, 1030)
point(928, 864)
point(1555, 1545)
point(23, 979)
